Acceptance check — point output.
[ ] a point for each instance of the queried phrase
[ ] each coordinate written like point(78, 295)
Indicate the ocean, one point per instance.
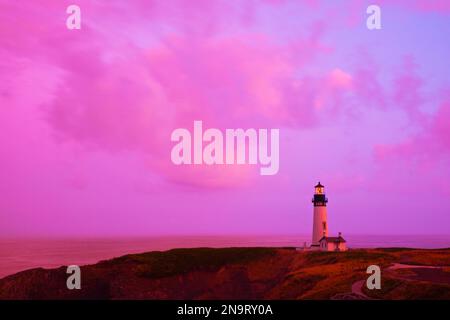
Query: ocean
point(22, 254)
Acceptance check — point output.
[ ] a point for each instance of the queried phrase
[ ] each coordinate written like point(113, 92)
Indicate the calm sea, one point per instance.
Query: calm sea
point(19, 255)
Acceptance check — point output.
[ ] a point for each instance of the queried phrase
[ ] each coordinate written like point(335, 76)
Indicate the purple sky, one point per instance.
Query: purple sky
point(86, 116)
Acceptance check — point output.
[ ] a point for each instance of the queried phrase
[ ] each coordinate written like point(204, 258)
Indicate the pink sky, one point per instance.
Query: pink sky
point(86, 116)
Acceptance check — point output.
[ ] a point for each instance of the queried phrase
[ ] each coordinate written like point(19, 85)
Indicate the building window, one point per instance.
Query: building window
point(324, 224)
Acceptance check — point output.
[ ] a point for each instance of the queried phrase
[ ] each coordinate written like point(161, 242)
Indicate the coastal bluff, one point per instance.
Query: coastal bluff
point(245, 273)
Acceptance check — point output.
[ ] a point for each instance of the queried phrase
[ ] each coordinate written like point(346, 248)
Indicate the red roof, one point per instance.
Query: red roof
point(333, 239)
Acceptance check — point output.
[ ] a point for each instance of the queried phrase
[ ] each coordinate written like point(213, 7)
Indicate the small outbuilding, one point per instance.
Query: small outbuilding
point(332, 243)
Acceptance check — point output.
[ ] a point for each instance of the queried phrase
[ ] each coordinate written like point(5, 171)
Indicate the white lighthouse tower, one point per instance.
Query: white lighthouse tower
point(320, 225)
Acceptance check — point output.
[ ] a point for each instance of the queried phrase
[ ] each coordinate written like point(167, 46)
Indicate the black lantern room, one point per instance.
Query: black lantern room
point(319, 199)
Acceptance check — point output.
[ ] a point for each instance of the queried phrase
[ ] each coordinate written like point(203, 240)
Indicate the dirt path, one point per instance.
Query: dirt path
point(355, 294)
point(357, 289)
point(358, 285)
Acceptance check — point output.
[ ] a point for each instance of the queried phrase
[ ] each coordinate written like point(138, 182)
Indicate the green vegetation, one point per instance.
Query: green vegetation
point(180, 261)
point(298, 285)
point(362, 256)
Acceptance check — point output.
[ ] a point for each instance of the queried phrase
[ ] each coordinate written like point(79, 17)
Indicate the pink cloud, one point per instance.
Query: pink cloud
point(227, 83)
point(421, 6)
point(408, 89)
point(121, 95)
point(439, 6)
point(340, 79)
point(423, 159)
point(118, 93)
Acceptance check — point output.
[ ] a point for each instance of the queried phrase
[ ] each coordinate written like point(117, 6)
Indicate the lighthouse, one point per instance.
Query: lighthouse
point(320, 225)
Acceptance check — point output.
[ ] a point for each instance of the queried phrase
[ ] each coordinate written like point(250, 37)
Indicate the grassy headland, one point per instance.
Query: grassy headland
point(244, 273)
